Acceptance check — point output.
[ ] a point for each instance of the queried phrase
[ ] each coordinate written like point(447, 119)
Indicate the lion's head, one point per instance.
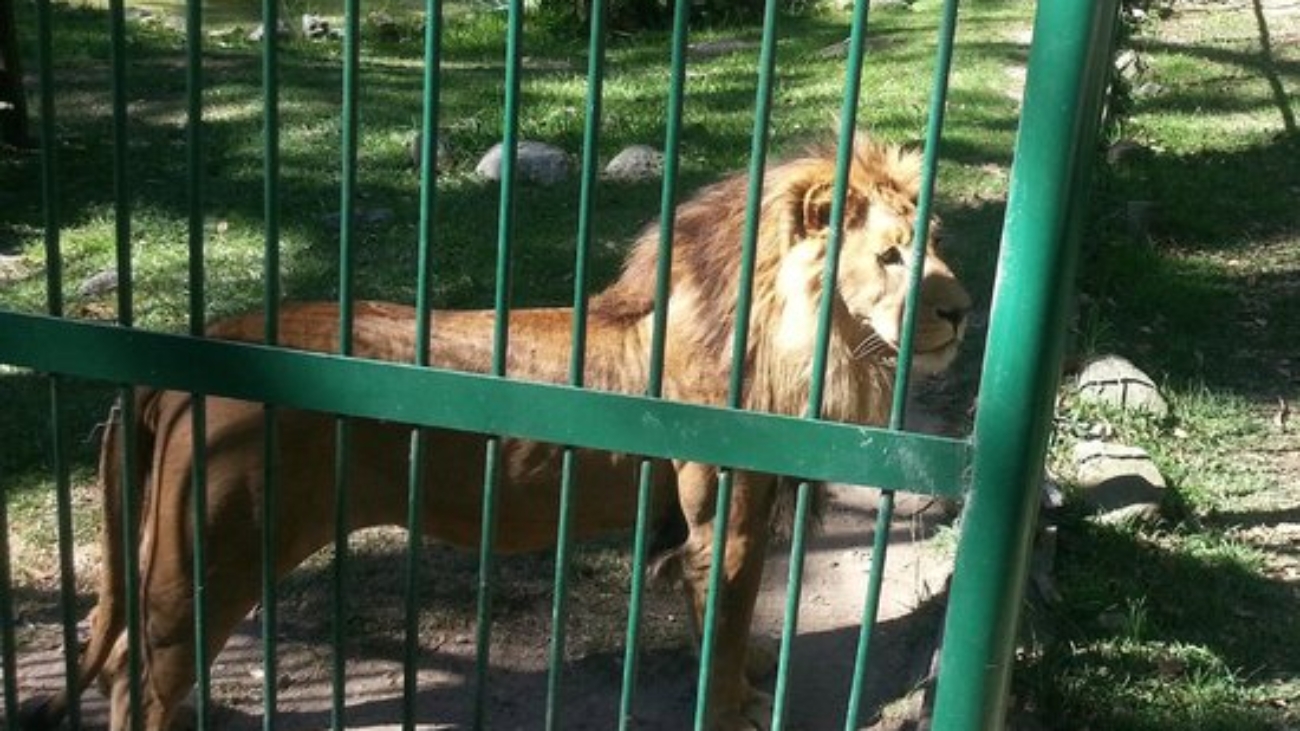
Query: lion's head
point(876, 251)
point(794, 233)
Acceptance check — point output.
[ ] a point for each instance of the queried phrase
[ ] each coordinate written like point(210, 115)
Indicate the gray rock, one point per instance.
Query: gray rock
point(636, 163)
point(282, 30)
point(99, 283)
point(1125, 151)
point(12, 268)
point(314, 26)
point(1118, 480)
point(536, 162)
point(1113, 380)
point(721, 47)
point(1052, 497)
point(1142, 513)
point(1130, 65)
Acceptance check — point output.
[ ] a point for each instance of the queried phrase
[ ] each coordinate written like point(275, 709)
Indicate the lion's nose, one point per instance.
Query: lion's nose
point(954, 315)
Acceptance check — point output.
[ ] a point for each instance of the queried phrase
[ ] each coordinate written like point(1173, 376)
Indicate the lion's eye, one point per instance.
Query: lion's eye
point(890, 257)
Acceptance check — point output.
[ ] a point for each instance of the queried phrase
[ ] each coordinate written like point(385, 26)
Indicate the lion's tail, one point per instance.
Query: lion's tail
point(108, 619)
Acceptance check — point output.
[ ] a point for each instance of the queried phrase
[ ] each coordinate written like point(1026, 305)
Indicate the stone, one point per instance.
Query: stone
point(12, 268)
point(1126, 151)
point(282, 30)
point(636, 163)
point(316, 27)
point(1118, 479)
point(721, 47)
point(1111, 379)
point(537, 162)
point(99, 283)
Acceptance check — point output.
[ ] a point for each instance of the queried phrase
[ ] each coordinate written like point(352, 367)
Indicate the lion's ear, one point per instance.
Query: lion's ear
point(816, 213)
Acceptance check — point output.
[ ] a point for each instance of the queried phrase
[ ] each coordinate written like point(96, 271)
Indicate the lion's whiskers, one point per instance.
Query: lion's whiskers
point(872, 344)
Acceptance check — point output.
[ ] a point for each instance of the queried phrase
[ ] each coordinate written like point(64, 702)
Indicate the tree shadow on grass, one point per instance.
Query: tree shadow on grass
point(1137, 616)
point(1203, 289)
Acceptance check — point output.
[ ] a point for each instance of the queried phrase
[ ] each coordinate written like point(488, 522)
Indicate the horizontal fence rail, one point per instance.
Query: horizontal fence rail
point(452, 399)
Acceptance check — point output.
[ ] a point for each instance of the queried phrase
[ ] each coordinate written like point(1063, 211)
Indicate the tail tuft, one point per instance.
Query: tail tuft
point(44, 714)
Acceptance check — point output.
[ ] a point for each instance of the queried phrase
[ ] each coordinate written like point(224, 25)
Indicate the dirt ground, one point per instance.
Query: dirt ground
point(834, 591)
point(833, 596)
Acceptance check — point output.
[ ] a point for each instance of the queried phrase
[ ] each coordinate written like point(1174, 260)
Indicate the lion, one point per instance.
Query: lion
point(878, 223)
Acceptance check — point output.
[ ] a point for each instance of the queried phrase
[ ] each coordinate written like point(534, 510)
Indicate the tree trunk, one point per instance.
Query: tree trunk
point(13, 100)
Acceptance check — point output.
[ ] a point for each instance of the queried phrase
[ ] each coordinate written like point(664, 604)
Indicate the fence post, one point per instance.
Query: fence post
point(1068, 68)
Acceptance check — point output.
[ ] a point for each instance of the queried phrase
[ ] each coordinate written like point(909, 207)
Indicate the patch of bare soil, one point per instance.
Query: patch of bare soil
point(833, 597)
point(1269, 520)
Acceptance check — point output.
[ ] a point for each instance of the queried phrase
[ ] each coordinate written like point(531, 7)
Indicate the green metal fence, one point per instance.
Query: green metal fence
point(996, 470)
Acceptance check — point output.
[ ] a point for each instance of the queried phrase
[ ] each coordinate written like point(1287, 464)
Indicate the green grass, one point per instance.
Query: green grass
point(715, 140)
point(1191, 623)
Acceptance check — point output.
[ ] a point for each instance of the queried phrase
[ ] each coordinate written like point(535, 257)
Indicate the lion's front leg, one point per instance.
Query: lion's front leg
point(733, 704)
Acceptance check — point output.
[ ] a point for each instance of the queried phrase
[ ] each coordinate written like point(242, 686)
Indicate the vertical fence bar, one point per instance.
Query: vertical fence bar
point(342, 455)
point(1067, 67)
point(271, 304)
point(843, 163)
point(500, 349)
point(658, 335)
point(721, 524)
point(128, 530)
point(54, 305)
point(423, 333)
point(67, 570)
point(577, 357)
point(902, 376)
point(749, 241)
point(197, 316)
point(740, 347)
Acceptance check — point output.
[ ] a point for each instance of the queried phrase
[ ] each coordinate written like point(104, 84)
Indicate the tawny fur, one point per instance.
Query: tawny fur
point(787, 290)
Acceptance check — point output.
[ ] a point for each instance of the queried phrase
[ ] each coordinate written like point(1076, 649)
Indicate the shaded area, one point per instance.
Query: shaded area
point(1218, 257)
point(902, 644)
point(1169, 620)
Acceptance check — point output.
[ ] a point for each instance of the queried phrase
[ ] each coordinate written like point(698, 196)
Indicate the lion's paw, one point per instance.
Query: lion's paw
point(755, 715)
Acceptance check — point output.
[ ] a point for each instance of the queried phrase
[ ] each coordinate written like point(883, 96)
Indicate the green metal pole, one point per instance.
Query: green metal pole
point(131, 491)
point(898, 409)
point(198, 411)
point(658, 338)
point(342, 457)
point(577, 360)
point(1021, 369)
point(271, 300)
point(739, 348)
point(54, 305)
point(423, 338)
